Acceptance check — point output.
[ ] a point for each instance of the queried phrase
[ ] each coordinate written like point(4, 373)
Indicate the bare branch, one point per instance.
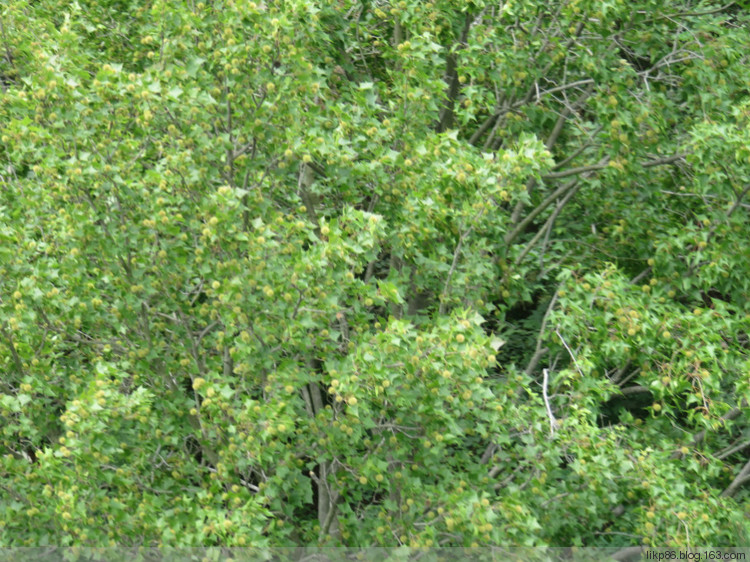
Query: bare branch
point(572, 356)
point(740, 479)
point(550, 415)
point(732, 450)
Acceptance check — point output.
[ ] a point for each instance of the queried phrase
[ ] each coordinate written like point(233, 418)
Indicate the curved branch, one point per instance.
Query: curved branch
point(638, 389)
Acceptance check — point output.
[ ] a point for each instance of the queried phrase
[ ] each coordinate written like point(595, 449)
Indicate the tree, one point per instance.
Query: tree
point(374, 273)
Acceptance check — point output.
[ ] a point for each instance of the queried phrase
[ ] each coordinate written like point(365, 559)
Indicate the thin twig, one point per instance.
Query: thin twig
point(573, 357)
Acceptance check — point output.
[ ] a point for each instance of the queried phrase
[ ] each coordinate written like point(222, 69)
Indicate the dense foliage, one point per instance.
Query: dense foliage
point(374, 273)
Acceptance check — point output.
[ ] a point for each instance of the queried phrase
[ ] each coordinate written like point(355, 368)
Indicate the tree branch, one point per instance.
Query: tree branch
point(483, 128)
point(447, 285)
point(539, 351)
point(638, 389)
point(546, 228)
point(629, 552)
point(330, 516)
point(665, 160)
point(580, 170)
point(732, 450)
point(742, 477)
point(545, 396)
point(699, 437)
point(451, 73)
point(9, 340)
point(511, 236)
point(579, 150)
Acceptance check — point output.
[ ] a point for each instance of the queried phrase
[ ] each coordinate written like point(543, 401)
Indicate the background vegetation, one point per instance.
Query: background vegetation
point(374, 273)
